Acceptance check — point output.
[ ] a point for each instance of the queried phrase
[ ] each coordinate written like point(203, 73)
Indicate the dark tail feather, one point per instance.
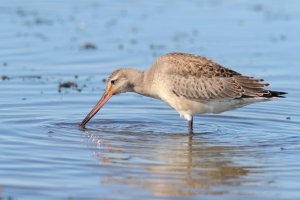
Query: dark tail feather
point(275, 94)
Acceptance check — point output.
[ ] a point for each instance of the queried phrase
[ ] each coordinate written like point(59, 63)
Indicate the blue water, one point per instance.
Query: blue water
point(137, 147)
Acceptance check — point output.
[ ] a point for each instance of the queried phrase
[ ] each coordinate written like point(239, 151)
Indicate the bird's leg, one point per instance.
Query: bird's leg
point(191, 126)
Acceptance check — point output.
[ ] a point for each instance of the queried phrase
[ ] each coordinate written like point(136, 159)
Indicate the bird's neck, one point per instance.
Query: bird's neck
point(139, 83)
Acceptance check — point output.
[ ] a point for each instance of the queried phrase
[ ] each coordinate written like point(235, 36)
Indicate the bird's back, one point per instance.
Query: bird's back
point(193, 65)
point(200, 79)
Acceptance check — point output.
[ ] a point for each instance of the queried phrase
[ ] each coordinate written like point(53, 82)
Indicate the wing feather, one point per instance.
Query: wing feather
point(200, 79)
point(202, 89)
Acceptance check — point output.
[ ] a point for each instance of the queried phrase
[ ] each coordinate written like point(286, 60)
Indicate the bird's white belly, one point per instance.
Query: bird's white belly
point(188, 108)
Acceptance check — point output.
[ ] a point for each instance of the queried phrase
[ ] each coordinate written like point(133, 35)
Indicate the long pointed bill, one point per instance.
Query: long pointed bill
point(106, 96)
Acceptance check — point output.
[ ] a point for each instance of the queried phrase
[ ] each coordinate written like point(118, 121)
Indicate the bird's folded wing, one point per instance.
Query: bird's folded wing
point(200, 79)
point(208, 88)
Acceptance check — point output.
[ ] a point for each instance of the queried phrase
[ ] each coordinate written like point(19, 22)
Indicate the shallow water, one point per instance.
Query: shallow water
point(137, 147)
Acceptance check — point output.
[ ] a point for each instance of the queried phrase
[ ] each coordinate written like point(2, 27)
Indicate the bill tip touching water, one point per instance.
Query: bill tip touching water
point(190, 84)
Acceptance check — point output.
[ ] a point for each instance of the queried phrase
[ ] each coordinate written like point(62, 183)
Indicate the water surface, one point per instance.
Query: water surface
point(137, 147)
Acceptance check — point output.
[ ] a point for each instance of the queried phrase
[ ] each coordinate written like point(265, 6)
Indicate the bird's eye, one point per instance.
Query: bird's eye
point(112, 81)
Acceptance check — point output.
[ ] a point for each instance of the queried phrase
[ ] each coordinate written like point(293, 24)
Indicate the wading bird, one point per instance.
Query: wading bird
point(190, 84)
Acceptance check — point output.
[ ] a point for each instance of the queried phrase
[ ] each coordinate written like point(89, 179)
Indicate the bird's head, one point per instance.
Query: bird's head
point(120, 81)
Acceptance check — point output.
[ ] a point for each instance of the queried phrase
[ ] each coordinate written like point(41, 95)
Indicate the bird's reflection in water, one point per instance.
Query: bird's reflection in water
point(169, 164)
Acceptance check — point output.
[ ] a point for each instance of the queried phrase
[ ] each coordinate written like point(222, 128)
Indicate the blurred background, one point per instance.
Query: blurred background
point(55, 57)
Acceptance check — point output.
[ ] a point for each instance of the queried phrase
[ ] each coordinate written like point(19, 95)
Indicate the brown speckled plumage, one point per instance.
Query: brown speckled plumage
point(199, 79)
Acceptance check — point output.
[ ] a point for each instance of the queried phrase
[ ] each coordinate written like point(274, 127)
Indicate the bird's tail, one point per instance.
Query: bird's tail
point(275, 94)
